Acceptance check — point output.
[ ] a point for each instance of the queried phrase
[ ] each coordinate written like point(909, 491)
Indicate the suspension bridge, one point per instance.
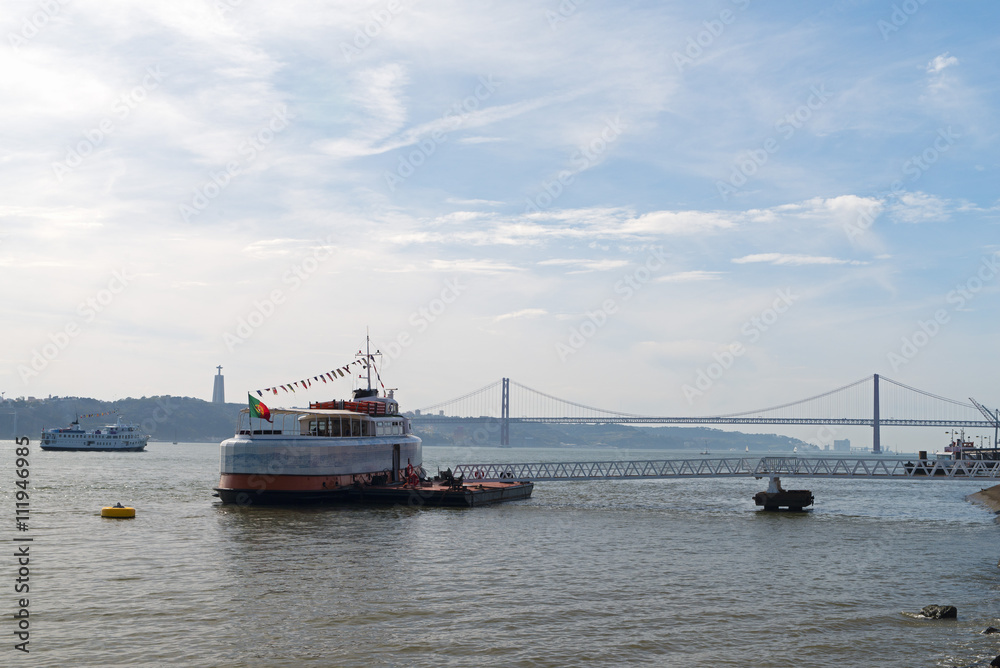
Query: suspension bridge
point(874, 401)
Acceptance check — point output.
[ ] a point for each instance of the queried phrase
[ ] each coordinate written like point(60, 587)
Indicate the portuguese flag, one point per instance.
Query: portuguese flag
point(258, 409)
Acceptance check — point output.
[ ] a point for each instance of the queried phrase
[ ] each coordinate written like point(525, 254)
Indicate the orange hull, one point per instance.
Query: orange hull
point(286, 483)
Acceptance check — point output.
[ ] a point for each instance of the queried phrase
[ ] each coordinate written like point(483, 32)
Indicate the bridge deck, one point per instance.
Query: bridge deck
point(756, 467)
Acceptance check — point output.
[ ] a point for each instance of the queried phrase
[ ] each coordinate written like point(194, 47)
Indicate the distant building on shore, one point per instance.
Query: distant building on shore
point(842, 445)
point(219, 392)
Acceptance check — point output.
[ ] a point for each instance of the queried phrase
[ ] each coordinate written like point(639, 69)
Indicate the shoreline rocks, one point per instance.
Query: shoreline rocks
point(989, 498)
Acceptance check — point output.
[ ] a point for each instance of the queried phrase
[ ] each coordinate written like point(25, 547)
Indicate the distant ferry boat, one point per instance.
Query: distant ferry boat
point(117, 436)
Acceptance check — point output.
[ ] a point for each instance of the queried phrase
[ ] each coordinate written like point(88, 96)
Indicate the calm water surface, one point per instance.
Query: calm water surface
point(658, 572)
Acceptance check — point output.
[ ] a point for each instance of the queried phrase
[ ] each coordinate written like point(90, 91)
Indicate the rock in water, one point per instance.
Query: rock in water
point(939, 612)
point(995, 662)
point(990, 629)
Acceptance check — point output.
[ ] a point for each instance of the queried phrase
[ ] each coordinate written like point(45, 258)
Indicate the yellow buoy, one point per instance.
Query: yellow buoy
point(119, 511)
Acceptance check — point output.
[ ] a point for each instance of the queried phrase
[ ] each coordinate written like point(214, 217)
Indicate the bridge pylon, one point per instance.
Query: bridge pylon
point(876, 435)
point(505, 412)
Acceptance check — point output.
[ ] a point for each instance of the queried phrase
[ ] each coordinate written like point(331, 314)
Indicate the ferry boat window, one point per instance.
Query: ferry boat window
point(312, 427)
point(322, 427)
point(380, 429)
point(335, 427)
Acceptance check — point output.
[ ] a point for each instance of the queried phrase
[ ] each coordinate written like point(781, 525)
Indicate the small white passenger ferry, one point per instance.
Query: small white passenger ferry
point(118, 436)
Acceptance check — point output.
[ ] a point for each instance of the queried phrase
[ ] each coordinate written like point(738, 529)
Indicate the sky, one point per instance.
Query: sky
point(597, 200)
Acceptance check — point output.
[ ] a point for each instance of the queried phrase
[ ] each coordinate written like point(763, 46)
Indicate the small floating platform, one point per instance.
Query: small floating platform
point(426, 493)
point(792, 499)
point(118, 512)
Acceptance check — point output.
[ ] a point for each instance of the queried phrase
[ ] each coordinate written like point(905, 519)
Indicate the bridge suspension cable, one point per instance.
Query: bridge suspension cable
point(525, 405)
point(856, 404)
point(476, 397)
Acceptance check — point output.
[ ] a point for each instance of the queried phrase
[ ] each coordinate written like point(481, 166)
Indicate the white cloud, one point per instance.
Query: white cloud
point(919, 207)
point(790, 259)
point(523, 313)
point(690, 277)
point(941, 62)
point(481, 140)
point(586, 265)
point(473, 266)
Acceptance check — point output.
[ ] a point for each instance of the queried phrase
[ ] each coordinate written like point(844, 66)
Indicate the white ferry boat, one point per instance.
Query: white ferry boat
point(310, 454)
point(361, 451)
point(117, 436)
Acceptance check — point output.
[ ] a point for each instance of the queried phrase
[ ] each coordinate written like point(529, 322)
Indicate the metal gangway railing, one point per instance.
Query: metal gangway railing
point(756, 467)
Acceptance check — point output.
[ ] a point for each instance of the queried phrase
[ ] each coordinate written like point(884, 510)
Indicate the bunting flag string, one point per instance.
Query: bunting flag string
point(377, 376)
point(90, 415)
point(333, 374)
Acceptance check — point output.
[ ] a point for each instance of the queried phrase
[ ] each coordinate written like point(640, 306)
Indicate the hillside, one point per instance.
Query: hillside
point(462, 432)
point(169, 418)
point(165, 418)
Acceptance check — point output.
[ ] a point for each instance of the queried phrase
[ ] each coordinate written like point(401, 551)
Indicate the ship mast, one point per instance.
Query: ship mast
point(368, 357)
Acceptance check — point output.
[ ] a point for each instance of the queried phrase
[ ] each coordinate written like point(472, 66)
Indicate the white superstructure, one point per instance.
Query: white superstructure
point(117, 436)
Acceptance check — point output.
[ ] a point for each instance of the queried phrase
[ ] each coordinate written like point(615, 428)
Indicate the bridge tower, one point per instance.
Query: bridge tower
point(505, 412)
point(876, 437)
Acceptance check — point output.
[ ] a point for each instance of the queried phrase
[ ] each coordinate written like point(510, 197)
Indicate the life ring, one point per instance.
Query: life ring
point(413, 480)
point(479, 474)
point(409, 470)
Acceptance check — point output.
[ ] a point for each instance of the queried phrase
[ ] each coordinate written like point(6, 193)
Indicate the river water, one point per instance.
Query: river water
point(655, 572)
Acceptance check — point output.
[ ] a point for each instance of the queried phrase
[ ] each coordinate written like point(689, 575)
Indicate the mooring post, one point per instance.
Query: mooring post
point(776, 498)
